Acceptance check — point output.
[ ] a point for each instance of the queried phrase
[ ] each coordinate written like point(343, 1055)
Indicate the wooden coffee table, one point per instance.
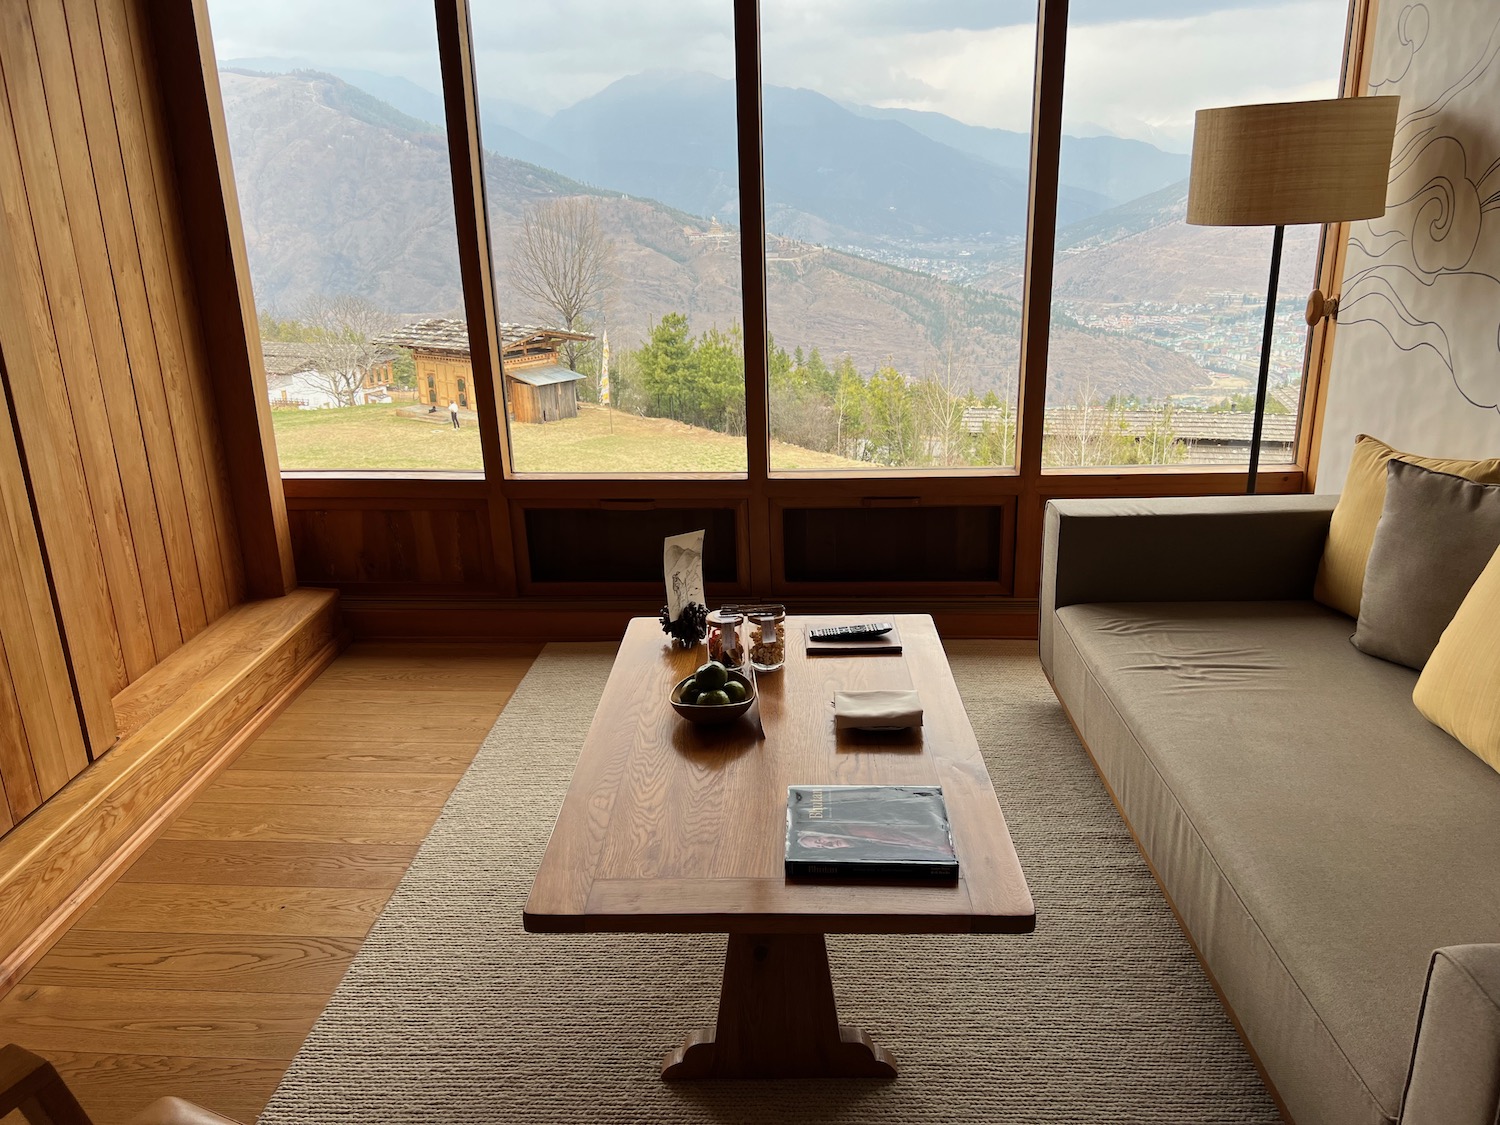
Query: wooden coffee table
point(671, 828)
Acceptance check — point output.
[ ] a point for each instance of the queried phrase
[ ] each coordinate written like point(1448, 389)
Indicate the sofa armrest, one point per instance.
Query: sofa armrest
point(1455, 1065)
point(1179, 548)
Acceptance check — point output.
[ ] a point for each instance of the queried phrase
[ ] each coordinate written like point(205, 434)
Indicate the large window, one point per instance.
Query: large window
point(612, 178)
point(896, 176)
point(893, 170)
point(1156, 325)
point(346, 200)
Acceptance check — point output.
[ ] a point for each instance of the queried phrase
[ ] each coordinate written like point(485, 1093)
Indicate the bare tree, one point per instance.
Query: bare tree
point(1081, 433)
point(565, 263)
point(342, 348)
point(1094, 431)
point(942, 398)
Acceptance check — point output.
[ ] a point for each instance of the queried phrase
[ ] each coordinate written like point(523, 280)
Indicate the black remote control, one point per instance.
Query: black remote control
point(851, 632)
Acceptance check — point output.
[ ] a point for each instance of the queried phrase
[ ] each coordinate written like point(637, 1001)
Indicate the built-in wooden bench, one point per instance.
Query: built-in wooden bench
point(181, 723)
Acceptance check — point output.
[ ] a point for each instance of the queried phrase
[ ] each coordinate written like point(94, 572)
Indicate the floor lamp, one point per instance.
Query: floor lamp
point(1283, 164)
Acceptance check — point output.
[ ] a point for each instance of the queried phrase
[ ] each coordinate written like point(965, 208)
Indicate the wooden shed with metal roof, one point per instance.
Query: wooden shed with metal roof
point(538, 386)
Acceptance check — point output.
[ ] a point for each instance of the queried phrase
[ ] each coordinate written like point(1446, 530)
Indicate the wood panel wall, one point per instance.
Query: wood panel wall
point(394, 548)
point(41, 735)
point(105, 358)
point(147, 599)
point(414, 557)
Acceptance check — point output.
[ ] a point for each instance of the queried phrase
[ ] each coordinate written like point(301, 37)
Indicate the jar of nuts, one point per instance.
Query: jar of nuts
point(724, 642)
point(767, 637)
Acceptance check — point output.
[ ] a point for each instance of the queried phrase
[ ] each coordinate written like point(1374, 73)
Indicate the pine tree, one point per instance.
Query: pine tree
point(717, 386)
point(891, 418)
point(665, 364)
point(818, 376)
point(779, 363)
point(850, 410)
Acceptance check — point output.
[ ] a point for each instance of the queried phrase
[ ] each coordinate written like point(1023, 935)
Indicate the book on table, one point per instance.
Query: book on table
point(869, 832)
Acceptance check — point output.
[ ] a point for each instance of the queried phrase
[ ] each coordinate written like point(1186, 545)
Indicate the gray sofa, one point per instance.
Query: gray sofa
point(1334, 857)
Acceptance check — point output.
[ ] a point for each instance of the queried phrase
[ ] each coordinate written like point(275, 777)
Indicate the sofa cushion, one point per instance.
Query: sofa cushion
point(1459, 689)
point(1436, 534)
point(1319, 837)
point(1341, 573)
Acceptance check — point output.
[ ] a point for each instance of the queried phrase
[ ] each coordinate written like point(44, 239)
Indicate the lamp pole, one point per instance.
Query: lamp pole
point(1265, 360)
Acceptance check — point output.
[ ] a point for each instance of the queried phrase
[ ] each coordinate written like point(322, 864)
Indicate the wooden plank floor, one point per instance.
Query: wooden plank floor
point(199, 973)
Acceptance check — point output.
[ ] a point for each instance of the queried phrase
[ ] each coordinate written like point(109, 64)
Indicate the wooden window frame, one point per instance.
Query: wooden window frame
point(760, 493)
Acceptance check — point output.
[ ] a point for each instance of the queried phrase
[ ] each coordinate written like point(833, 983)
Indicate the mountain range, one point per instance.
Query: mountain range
point(835, 172)
point(1109, 170)
point(341, 191)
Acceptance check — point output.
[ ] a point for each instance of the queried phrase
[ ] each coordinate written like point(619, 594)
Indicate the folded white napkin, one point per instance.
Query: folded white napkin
point(871, 710)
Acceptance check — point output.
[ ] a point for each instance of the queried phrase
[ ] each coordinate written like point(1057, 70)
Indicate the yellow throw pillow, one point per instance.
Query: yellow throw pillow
point(1341, 574)
point(1459, 689)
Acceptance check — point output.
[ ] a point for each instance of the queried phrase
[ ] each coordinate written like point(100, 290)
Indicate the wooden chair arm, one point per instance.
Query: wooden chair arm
point(31, 1085)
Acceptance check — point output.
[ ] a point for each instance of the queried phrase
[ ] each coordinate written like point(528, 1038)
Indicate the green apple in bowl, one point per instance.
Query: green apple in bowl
point(712, 695)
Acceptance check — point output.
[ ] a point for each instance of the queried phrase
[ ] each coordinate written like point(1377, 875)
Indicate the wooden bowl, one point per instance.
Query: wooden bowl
point(712, 716)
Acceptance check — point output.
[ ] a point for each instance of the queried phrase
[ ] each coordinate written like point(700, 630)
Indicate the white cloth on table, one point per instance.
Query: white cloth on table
point(875, 710)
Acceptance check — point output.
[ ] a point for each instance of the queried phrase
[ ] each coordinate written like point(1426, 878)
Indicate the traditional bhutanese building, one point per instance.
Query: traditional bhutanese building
point(538, 387)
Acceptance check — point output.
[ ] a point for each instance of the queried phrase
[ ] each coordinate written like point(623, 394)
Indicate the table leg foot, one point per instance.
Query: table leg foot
point(777, 1019)
point(854, 1056)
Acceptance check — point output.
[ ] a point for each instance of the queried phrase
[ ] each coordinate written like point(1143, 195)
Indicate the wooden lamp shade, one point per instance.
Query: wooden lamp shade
point(1291, 162)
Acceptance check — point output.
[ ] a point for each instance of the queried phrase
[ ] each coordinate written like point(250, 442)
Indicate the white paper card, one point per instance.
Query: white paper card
point(682, 558)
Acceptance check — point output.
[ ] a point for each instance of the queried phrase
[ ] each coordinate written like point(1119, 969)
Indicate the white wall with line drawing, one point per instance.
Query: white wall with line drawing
point(1417, 358)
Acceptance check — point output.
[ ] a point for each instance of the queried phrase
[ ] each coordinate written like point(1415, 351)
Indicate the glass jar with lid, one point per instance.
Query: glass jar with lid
point(767, 636)
point(725, 644)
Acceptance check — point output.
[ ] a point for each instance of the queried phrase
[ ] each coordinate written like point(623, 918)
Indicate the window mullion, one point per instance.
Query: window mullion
point(1041, 231)
point(753, 278)
point(465, 156)
point(1332, 251)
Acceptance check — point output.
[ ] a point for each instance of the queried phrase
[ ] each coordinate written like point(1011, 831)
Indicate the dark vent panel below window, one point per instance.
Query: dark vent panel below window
point(918, 544)
point(609, 545)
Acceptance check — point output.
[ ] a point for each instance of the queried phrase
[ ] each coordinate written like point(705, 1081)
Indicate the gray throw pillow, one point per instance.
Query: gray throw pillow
point(1435, 535)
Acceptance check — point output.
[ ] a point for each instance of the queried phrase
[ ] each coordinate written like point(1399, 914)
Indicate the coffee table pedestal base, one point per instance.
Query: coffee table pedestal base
point(777, 1019)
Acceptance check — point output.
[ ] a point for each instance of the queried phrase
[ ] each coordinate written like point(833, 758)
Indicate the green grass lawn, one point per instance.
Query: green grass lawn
point(599, 440)
point(371, 437)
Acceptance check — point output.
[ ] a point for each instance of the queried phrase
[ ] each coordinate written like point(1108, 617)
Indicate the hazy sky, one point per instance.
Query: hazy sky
point(1137, 68)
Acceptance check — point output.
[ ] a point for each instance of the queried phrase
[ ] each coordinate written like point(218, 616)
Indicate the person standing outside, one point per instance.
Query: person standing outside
point(453, 412)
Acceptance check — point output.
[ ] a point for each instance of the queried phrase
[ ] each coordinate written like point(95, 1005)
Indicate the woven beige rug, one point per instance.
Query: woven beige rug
point(451, 1013)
